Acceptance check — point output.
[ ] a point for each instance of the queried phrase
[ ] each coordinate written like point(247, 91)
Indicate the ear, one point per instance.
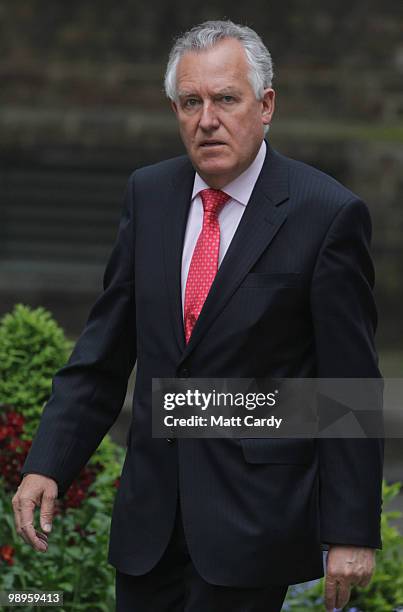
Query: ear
point(174, 107)
point(268, 104)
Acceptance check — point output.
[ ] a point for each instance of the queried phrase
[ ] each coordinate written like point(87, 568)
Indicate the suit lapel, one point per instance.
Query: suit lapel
point(259, 224)
point(177, 205)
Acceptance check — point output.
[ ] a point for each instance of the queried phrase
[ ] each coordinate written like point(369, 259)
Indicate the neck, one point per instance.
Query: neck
point(218, 181)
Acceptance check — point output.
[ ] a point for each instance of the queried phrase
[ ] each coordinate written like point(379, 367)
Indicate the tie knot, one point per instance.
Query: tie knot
point(213, 200)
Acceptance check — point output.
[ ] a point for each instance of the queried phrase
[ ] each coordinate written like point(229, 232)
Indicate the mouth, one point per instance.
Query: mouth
point(208, 144)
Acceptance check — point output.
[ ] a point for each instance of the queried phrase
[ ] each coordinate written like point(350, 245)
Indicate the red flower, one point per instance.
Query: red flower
point(16, 444)
point(13, 450)
point(5, 432)
point(26, 445)
point(6, 553)
point(16, 420)
point(78, 490)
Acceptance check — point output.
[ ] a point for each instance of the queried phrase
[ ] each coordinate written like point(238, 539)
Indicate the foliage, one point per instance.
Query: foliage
point(385, 591)
point(75, 562)
point(32, 348)
point(13, 448)
point(109, 456)
point(76, 558)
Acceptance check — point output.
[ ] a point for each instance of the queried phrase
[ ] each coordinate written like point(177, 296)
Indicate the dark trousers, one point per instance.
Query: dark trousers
point(174, 585)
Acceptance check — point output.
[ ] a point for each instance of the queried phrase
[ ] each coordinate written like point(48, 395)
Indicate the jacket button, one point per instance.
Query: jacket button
point(184, 373)
point(171, 440)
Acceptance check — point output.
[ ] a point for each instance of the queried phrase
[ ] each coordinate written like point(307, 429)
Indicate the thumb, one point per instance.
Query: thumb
point(46, 513)
point(330, 593)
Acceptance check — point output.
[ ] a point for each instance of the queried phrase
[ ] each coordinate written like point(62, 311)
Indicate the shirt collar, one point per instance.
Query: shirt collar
point(240, 189)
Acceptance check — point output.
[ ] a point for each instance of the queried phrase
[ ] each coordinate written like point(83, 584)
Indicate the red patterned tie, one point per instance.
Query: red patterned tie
point(204, 264)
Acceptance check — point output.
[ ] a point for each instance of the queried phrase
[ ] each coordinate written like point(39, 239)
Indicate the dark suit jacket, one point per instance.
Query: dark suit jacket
point(292, 298)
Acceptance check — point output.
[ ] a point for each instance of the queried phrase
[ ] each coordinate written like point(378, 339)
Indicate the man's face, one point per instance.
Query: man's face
point(220, 120)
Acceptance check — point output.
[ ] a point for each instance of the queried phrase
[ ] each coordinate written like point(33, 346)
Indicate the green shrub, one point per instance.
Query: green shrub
point(74, 563)
point(32, 348)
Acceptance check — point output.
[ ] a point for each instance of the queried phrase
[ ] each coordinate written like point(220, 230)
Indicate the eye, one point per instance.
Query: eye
point(228, 99)
point(191, 102)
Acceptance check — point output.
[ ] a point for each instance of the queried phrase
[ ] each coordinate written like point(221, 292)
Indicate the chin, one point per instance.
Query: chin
point(214, 166)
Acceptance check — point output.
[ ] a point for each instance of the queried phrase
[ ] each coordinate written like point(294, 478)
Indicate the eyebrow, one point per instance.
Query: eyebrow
point(186, 94)
point(228, 90)
point(221, 92)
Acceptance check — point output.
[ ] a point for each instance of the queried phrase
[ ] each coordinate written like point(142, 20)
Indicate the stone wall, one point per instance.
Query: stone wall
point(81, 94)
point(340, 60)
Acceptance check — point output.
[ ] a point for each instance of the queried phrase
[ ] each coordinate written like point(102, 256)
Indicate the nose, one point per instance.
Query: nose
point(208, 119)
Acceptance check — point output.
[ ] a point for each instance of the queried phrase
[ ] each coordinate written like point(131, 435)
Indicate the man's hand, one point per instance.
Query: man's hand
point(346, 565)
point(35, 490)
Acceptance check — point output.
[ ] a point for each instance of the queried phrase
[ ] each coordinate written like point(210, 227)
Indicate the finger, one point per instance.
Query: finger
point(24, 537)
point(41, 535)
point(21, 531)
point(364, 581)
point(343, 595)
point(46, 513)
point(27, 509)
point(32, 539)
point(330, 594)
point(18, 520)
point(16, 509)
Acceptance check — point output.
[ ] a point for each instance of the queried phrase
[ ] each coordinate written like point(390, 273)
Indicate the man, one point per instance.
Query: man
point(232, 261)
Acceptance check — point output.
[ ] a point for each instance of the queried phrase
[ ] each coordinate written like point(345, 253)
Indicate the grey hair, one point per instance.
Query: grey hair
point(207, 35)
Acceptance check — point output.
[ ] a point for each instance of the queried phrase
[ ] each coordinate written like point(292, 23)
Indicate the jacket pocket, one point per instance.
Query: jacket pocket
point(270, 279)
point(278, 450)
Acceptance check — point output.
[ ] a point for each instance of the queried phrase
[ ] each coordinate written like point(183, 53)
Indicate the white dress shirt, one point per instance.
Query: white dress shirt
point(229, 217)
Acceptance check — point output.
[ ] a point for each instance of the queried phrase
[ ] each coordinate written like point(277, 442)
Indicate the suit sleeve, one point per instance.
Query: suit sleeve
point(345, 319)
point(88, 392)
